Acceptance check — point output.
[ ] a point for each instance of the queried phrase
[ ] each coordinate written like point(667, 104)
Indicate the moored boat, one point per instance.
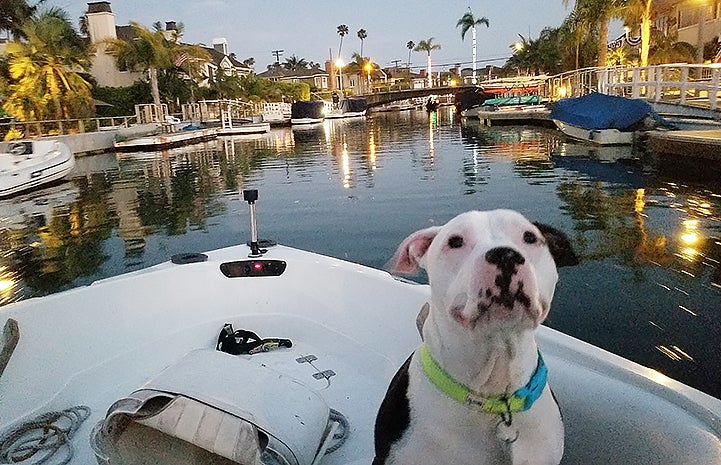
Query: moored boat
point(603, 119)
point(349, 107)
point(125, 355)
point(28, 164)
point(306, 112)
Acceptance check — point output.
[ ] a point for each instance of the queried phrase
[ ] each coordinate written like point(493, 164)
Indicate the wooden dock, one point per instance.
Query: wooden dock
point(167, 140)
point(535, 116)
point(705, 143)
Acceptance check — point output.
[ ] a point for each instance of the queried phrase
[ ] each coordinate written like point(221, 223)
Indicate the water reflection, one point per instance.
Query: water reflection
point(649, 287)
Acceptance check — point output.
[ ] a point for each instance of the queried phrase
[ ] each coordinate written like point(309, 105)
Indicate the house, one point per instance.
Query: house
point(695, 21)
point(221, 59)
point(315, 77)
point(100, 21)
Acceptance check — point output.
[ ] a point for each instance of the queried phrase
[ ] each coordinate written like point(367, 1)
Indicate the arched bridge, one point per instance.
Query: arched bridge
point(382, 98)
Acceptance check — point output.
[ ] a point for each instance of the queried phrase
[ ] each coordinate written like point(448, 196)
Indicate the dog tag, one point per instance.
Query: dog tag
point(506, 433)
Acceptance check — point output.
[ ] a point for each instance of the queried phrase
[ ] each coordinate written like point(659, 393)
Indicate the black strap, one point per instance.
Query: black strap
point(242, 341)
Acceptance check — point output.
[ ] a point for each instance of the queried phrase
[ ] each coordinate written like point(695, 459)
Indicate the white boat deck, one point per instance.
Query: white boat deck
point(94, 345)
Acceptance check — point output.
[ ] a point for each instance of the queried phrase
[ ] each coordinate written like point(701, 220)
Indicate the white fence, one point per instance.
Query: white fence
point(680, 84)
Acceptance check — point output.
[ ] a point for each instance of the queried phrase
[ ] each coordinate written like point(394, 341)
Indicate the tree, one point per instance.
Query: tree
point(362, 35)
point(428, 46)
point(468, 21)
point(14, 14)
point(342, 31)
point(596, 14)
point(151, 51)
point(639, 12)
point(410, 46)
point(44, 83)
point(294, 63)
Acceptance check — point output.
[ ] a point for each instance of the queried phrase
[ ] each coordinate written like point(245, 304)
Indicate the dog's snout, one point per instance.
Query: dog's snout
point(504, 257)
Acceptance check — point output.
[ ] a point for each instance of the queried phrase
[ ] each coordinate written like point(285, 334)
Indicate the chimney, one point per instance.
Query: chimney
point(221, 45)
point(171, 26)
point(101, 22)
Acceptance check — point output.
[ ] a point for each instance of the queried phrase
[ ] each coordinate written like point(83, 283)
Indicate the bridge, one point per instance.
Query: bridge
point(684, 89)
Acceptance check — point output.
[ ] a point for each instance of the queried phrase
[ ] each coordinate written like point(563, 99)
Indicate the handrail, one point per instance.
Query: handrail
point(686, 84)
point(66, 126)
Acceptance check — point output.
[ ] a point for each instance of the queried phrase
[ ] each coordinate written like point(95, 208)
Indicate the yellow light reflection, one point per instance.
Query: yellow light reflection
point(372, 150)
point(345, 161)
point(8, 284)
point(689, 237)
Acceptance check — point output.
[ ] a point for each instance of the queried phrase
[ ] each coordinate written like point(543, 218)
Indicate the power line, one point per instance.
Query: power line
point(277, 54)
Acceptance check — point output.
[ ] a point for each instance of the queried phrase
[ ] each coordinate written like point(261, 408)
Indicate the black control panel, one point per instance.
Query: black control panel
point(252, 268)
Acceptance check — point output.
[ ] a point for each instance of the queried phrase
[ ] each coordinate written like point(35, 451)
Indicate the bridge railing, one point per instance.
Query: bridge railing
point(680, 84)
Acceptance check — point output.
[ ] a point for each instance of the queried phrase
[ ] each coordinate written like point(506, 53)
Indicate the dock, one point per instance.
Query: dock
point(705, 143)
point(168, 140)
point(538, 116)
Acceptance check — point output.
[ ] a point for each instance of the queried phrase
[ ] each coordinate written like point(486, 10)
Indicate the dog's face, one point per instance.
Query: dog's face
point(488, 267)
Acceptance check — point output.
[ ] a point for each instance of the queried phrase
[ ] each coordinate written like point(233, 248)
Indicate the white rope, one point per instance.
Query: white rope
point(36, 441)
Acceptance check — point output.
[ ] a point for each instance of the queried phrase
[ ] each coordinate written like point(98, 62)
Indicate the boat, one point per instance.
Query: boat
point(604, 119)
point(306, 112)
point(263, 353)
point(27, 164)
point(349, 107)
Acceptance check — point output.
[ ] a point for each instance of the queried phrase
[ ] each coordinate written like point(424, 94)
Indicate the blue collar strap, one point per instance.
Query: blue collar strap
point(519, 401)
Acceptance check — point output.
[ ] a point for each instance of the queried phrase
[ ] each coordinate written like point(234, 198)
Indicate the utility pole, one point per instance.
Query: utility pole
point(395, 63)
point(277, 54)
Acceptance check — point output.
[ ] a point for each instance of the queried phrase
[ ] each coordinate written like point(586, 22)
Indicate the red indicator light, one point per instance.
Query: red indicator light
point(257, 266)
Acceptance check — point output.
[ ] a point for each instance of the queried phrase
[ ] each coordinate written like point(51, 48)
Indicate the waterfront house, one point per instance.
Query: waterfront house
point(316, 77)
point(695, 21)
point(101, 26)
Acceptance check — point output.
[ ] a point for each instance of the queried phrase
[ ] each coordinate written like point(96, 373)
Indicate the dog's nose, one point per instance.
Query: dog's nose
point(504, 257)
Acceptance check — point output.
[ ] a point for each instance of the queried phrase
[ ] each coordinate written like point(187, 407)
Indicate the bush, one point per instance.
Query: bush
point(122, 99)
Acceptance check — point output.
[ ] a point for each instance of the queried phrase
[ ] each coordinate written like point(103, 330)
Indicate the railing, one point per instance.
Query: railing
point(25, 129)
point(679, 84)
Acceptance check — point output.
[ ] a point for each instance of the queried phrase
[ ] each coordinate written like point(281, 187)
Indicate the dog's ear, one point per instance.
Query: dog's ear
point(409, 255)
point(559, 245)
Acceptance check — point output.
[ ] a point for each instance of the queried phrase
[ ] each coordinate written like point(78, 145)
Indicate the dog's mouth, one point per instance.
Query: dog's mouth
point(504, 301)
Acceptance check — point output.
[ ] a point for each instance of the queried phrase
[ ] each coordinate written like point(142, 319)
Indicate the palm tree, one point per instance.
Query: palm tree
point(44, 82)
point(428, 46)
point(597, 14)
point(468, 21)
point(410, 46)
point(362, 35)
point(294, 63)
point(639, 11)
point(342, 31)
point(151, 51)
point(14, 14)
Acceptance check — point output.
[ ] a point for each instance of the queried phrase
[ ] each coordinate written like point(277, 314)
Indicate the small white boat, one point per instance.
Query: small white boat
point(351, 107)
point(244, 128)
point(129, 366)
point(31, 163)
point(304, 112)
point(596, 136)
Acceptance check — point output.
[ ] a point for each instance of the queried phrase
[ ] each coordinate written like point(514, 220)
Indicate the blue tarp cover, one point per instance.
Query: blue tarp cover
point(601, 111)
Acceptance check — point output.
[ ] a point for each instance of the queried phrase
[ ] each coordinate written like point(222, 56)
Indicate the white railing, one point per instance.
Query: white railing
point(680, 84)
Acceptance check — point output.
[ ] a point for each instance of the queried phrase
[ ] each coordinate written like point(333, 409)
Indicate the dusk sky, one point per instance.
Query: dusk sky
point(308, 29)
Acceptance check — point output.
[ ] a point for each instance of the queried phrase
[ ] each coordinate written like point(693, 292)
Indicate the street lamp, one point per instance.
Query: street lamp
point(368, 67)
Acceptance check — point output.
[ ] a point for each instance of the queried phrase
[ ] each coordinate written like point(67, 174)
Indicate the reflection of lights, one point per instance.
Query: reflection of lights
point(345, 160)
point(8, 284)
point(640, 201)
point(372, 150)
point(690, 237)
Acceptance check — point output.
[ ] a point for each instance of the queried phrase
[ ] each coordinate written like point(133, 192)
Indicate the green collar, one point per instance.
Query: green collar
point(519, 401)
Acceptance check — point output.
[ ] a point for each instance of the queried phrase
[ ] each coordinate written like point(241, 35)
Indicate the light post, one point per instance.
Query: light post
point(339, 63)
point(368, 67)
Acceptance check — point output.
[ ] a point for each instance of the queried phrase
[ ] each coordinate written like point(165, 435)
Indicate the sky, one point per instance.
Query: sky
point(308, 28)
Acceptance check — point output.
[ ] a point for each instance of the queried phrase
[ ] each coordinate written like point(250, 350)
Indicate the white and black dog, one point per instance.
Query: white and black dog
point(475, 392)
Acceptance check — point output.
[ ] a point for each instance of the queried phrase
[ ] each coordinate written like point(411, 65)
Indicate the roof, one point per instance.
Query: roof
point(217, 58)
point(126, 33)
point(278, 72)
point(99, 7)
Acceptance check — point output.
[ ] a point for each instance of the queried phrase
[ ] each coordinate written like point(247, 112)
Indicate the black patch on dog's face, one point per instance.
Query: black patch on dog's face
point(394, 415)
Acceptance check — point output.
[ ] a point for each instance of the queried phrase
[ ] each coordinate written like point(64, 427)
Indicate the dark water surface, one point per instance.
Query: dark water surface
point(649, 230)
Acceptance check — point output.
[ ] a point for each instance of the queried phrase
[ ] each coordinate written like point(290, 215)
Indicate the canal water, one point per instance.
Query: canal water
point(648, 229)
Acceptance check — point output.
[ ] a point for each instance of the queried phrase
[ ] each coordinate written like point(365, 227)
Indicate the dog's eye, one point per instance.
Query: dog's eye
point(455, 242)
point(529, 237)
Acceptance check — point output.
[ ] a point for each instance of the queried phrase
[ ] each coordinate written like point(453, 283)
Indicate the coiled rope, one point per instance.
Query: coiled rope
point(38, 440)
